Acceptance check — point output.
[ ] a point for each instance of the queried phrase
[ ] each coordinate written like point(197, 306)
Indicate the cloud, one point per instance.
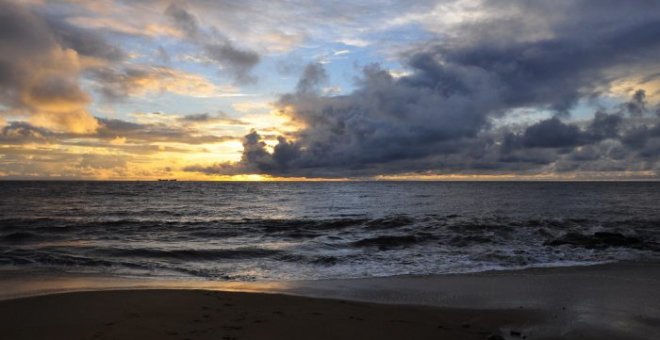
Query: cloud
point(637, 104)
point(20, 133)
point(255, 159)
point(552, 133)
point(386, 120)
point(118, 141)
point(94, 161)
point(119, 149)
point(124, 24)
point(115, 133)
point(252, 106)
point(445, 106)
point(438, 117)
point(39, 76)
point(117, 84)
point(155, 132)
point(237, 62)
point(184, 20)
point(84, 41)
point(207, 118)
point(314, 75)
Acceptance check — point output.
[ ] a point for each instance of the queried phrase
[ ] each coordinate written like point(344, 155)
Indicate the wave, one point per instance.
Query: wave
point(387, 242)
point(384, 232)
point(390, 222)
point(20, 237)
point(603, 240)
point(312, 248)
point(189, 254)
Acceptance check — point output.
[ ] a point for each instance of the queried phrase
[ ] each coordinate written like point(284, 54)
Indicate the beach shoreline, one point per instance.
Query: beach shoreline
point(201, 314)
point(618, 300)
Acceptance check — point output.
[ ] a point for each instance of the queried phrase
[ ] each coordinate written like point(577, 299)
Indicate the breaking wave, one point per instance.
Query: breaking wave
point(323, 231)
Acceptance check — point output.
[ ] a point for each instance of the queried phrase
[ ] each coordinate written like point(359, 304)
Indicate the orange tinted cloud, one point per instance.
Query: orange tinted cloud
point(140, 80)
point(41, 78)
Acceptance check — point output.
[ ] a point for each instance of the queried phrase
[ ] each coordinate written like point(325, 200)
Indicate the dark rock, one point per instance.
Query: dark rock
point(517, 334)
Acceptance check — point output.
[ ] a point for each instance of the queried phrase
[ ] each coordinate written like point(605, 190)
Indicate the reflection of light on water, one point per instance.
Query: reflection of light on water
point(33, 286)
point(611, 313)
point(295, 231)
point(65, 243)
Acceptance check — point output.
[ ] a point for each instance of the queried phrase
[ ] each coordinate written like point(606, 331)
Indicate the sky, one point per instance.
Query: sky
point(332, 90)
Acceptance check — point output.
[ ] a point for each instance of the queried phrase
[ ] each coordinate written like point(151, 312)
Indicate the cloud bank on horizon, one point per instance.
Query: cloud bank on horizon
point(425, 89)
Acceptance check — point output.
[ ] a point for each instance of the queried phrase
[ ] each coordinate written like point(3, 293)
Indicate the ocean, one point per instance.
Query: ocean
point(320, 230)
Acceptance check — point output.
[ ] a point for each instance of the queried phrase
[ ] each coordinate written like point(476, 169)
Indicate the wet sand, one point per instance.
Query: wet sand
point(194, 314)
point(619, 301)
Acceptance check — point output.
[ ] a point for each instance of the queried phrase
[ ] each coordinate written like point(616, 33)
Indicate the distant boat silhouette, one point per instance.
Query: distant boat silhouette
point(166, 180)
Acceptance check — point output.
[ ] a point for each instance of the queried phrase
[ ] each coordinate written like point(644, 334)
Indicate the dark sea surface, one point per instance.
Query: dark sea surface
point(291, 231)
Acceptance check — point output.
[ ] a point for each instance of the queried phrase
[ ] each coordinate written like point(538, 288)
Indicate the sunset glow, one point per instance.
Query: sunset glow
point(432, 90)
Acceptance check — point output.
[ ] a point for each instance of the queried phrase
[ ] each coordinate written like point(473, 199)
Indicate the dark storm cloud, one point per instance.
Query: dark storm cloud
point(313, 77)
point(637, 105)
point(255, 159)
point(557, 72)
point(552, 133)
point(605, 126)
point(641, 136)
point(439, 117)
point(236, 61)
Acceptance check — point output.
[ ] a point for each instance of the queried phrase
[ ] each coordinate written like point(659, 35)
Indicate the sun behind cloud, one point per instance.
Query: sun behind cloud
point(430, 90)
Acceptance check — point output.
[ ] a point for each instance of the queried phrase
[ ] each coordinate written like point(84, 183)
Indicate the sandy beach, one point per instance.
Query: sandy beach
point(195, 314)
point(297, 169)
point(618, 301)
